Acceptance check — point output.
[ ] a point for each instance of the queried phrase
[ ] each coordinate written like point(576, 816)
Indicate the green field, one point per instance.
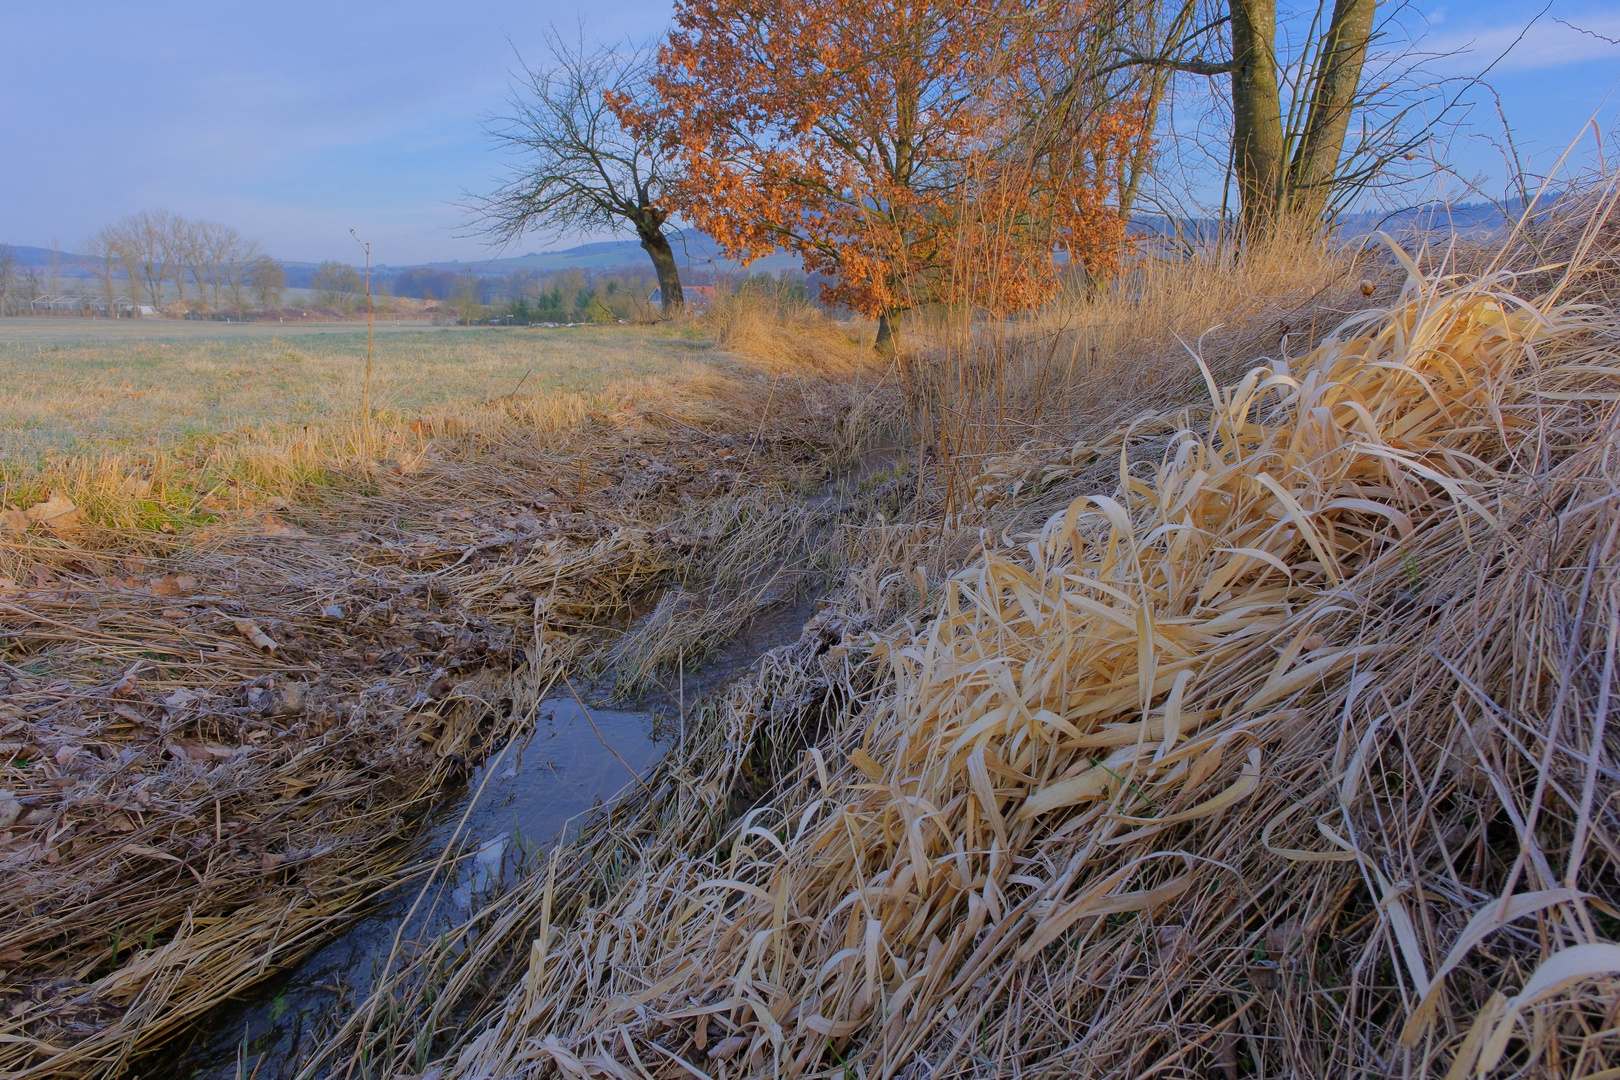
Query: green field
point(73, 388)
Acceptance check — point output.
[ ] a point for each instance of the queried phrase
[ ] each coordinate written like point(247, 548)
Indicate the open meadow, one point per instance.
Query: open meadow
point(77, 387)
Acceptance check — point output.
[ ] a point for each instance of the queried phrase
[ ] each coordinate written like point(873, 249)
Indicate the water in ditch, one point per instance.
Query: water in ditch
point(531, 792)
point(539, 787)
point(516, 806)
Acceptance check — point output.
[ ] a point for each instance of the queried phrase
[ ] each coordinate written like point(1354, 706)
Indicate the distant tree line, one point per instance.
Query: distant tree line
point(162, 257)
point(525, 296)
point(571, 296)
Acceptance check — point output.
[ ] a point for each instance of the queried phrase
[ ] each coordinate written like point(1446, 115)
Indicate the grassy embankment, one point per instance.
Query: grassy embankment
point(1266, 734)
point(1163, 745)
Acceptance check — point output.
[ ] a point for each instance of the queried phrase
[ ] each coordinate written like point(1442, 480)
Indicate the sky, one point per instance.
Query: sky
point(298, 121)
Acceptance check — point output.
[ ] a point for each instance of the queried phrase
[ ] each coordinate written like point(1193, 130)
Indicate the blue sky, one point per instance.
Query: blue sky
point(297, 121)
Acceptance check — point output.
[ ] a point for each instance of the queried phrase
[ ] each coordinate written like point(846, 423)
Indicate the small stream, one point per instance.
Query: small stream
point(542, 784)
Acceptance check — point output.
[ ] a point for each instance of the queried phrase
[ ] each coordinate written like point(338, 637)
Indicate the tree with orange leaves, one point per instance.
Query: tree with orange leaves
point(890, 144)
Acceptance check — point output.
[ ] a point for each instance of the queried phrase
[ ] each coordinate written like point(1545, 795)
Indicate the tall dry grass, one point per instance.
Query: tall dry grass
point(772, 323)
point(1268, 736)
point(1099, 354)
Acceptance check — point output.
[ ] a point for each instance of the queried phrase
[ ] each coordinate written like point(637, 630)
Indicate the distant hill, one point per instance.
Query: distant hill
point(1474, 221)
point(67, 263)
point(697, 252)
point(692, 250)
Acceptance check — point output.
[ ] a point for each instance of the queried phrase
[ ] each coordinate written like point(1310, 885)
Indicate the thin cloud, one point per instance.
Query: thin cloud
point(1550, 43)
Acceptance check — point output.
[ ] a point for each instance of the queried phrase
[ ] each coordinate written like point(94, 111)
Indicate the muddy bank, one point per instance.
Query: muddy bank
point(533, 792)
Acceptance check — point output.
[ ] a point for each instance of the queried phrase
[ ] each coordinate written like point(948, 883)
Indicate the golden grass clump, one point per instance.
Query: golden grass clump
point(1234, 768)
point(772, 325)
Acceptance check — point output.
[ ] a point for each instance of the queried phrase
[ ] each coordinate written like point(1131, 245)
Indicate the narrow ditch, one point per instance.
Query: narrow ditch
point(526, 797)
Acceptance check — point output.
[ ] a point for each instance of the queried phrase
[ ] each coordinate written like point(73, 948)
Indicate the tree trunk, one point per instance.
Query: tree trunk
point(656, 244)
point(1257, 130)
point(888, 333)
point(1333, 98)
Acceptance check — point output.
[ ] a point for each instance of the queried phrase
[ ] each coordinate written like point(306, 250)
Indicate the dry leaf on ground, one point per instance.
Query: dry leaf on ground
point(250, 630)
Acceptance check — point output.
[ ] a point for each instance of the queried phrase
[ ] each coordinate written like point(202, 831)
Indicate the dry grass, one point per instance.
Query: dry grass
point(105, 393)
point(143, 432)
point(1280, 748)
point(1260, 737)
point(1091, 362)
point(216, 740)
point(764, 321)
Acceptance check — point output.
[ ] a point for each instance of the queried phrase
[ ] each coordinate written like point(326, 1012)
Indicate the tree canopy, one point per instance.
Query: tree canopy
point(888, 144)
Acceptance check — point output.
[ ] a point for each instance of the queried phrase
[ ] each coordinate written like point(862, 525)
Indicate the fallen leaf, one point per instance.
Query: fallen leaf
point(151, 853)
point(14, 521)
point(129, 714)
point(57, 513)
point(250, 630)
point(10, 809)
point(270, 862)
point(65, 754)
point(270, 525)
point(11, 956)
point(728, 1048)
point(175, 585)
point(290, 701)
point(196, 751)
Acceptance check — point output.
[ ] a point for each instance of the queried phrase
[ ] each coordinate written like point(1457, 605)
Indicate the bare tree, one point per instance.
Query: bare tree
point(145, 246)
point(1294, 83)
point(235, 263)
point(211, 249)
point(578, 168)
point(105, 260)
point(196, 256)
point(8, 278)
point(32, 287)
point(179, 240)
point(53, 278)
point(267, 279)
point(337, 285)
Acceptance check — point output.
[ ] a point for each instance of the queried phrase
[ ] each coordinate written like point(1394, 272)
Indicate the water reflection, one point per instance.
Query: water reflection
point(530, 793)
